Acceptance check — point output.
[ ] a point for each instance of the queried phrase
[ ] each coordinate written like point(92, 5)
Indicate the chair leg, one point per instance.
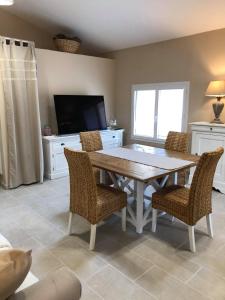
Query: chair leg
point(92, 237)
point(154, 219)
point(70, 223)
point(209, 225)
point(124, 218)
point(191, 232)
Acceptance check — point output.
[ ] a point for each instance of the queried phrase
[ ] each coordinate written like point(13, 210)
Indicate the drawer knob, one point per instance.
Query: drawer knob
point(211, 128)
point(62, 144)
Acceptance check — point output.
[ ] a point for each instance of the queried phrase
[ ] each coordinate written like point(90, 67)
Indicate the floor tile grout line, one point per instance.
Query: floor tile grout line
point(154, 265)
point(197, 291)
point(95, 273)
point(107, 263)
point(94, 291)
point(88, 252)
point(193, 276)
point(147, 238)
point(147, 292)
point(176, 247)
point(148, 259)
point(63, 264)
point(202, 266)
point(171, 275)
point(219, 249)
point(29, 236)
point(146, 271)
point(214, 271)
point(172, 254)
point(180, 281)
point(46, 220)
point(132, 281)
point(46, 249)
point(75, 271)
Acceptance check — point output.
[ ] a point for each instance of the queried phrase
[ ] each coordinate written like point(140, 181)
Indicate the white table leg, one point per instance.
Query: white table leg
point(140, 203)
point(103, 176)
point(135, 189)
point(175, 178)
point(114, 180)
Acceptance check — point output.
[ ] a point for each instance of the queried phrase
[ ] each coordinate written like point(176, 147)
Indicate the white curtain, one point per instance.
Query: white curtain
point(20, 128)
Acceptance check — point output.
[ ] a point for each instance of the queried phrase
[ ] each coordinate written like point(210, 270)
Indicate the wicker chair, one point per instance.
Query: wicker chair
point(179, 142)
point(91, 141)
point(89, 200)
point(190, 205)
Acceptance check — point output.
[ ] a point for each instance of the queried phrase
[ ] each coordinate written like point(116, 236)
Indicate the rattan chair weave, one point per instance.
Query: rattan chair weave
point(178, 141)
point(91, 141)
point(87, 199)
point(190, 205)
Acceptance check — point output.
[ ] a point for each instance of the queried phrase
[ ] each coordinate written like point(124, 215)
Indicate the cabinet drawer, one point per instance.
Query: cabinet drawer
point(58, 147)
point(55, 161)
point(209, 129)
point(204, 142)
point(112, 144)
point(60, 163)
point(110, 135)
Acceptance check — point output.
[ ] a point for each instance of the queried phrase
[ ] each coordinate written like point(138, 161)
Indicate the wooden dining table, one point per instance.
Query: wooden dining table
point(142, 174)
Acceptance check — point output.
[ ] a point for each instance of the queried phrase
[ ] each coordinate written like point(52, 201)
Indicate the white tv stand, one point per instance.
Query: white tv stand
point(54, 160)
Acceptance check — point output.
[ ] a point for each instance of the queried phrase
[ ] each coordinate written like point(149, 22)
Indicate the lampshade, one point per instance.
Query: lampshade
point(6, 2)
point(216, 88)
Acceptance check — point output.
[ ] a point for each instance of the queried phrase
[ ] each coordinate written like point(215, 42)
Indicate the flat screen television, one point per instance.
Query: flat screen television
point(76, 113)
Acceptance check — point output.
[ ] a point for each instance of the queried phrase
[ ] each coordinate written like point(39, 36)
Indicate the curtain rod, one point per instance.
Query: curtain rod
point(16, 40)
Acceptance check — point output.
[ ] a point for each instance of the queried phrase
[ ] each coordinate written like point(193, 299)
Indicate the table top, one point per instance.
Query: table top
point(136, 170)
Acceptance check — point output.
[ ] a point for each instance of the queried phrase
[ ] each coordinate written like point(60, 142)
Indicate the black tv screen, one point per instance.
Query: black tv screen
point(79, 113)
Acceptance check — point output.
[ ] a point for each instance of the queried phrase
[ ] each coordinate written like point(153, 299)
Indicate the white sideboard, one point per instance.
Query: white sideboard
point(207, 137)
point(54, 160)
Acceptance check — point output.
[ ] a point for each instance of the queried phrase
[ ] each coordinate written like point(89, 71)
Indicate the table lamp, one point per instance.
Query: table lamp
point(216, 89)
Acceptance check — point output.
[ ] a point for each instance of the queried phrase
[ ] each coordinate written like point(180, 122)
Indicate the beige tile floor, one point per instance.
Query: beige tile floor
point(124, 265)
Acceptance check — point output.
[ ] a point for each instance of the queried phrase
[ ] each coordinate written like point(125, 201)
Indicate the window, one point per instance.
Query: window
point(159, 108)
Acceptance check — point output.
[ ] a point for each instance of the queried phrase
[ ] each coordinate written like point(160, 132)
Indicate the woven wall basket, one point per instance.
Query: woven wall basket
point(64, 45)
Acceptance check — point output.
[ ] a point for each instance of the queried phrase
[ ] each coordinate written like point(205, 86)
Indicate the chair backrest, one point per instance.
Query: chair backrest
point(91, 141)
point(202, 182)
point(177, 141)
point(83, 190)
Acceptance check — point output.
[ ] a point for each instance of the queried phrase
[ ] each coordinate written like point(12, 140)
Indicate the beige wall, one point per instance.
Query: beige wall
point(198, 59)
point(64, 73)
point(12, 26)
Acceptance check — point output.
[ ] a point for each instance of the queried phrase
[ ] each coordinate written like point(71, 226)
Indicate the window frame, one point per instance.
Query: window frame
point(185, 85)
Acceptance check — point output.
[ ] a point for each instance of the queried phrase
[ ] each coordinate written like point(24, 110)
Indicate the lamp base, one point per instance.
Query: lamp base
point(217, 108)
point(217, 121)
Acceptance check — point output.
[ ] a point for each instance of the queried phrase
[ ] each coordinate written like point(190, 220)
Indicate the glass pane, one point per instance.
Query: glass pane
point(170, 110)
point(144, 112)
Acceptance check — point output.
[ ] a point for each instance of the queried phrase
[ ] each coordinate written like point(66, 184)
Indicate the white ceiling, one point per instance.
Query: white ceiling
point(106, 25)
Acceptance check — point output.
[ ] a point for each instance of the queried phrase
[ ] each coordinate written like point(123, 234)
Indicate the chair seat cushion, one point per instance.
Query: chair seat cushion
point(109, 201)
point(173, 200)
